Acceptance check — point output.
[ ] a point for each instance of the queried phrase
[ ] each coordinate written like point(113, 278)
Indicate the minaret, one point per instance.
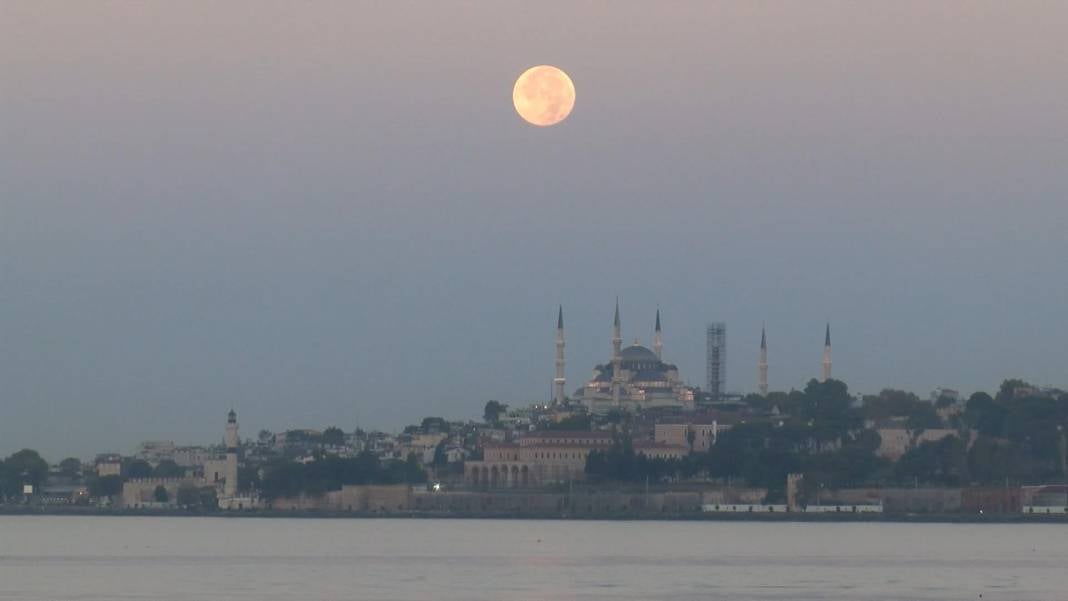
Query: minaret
point(658, 340)
point(827, 354)
point(231, 439)
point(617, 356)
point(762, 364)
point(558, 381)
point(232, 442)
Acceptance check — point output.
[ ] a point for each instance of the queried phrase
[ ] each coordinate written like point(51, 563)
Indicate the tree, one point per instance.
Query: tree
point(441, 459)
point(138, 468)
point(945, 401)
point(168, 469)
point(188, 495)
point(984, 414)
point(491, 414)
point(990, 461)
point(105, 486)
point(24, 467)
point(265, 437)
point(333, 436)
point(71, 467)
point(302, 437)
point(1007, 391)
point(160, 494)
point(290, 479)
point(434, 424)
point(621, 464)
point(934, 462)
point(208, 498)
point(923, 415)
point(919, 414)
point(413, 470)
point(248, 478)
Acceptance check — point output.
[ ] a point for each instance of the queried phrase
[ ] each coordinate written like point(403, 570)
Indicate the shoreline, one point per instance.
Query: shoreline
point(916, 518)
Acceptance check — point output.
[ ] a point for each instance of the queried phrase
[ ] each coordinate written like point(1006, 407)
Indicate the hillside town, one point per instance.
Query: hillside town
point(811, 450)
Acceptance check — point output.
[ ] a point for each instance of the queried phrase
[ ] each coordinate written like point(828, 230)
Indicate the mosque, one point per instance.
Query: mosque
point(635, 377)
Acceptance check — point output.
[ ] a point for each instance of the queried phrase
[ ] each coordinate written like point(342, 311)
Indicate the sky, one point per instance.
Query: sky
point(329, 213)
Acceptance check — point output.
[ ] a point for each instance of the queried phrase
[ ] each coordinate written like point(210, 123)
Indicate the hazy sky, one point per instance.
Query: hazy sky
point(329, 213)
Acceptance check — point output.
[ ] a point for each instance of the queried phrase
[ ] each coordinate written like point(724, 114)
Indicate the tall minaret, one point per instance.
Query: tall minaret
point(232, 442)
point(762, 364)
point(231, 438)
point(658, 340)
point(827, 354)
point(617, 356)
point(558, 381)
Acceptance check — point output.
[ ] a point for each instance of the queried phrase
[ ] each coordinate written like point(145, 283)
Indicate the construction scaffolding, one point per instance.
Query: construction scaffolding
point(716, 360)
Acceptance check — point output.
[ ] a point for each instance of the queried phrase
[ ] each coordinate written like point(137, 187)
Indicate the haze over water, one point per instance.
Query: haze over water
point(192, 559)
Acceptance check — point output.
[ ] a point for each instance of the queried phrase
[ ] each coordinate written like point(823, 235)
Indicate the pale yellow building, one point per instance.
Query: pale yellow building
point(541, 458)
point(703, 435)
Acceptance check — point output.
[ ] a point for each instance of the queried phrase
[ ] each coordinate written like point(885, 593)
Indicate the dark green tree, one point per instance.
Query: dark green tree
point(433, 425)
point(440, 458)
point(105, 486)
point(188, 495)
point(491, 414)
point(208, 498)
point(984, 414)
point(333, 436)
point(168, 469)
point(138, 468)
point(23, 467)
point(248, 478)
point(71, 467)
point(160, 494)
point(940, 462)
point(1007, 391)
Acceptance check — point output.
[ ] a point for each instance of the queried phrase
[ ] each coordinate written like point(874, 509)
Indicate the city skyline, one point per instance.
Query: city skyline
point(319, 217)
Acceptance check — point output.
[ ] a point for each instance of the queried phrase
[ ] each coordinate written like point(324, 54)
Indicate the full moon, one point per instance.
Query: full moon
point(543, 95)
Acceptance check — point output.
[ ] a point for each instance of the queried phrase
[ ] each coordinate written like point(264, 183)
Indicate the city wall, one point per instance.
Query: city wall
point(363, 498)
point(540, 503)
point(403, 499)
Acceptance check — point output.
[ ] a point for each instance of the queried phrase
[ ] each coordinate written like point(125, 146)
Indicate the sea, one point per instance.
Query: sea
point(89, 558)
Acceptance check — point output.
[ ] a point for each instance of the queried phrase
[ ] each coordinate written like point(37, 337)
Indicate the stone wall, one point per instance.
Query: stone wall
point(539, 503)
point(903, 500)
point(364, 498)
point(138, 492)
point(734, 496)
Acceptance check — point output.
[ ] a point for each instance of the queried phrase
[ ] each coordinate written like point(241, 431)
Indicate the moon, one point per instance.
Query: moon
point(543, 95)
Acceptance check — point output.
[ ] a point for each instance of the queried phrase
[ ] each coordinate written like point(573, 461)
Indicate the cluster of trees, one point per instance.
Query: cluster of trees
point(139, 468)
point(288, 479)
point(1020, 438)
point(621, 464)
point(23, 467)
point(492, 412)
point(332, 436)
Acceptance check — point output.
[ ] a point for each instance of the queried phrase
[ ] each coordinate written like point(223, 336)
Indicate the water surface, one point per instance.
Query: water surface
point(57, 558)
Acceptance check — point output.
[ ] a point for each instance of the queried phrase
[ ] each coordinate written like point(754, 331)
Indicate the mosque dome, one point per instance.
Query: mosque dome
point(636, 352)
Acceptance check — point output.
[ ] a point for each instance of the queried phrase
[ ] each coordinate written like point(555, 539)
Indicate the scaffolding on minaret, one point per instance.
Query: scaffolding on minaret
point(716, 359)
